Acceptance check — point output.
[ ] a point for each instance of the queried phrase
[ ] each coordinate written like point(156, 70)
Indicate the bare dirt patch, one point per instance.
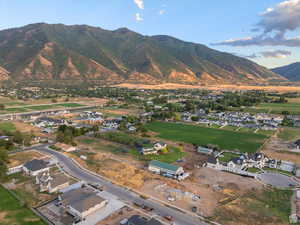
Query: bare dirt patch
point(22, 157)
point(278, 149)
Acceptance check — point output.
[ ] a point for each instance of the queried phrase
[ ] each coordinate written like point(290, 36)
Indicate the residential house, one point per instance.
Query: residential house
point(287, 166)
point(82, 202)
point(149, 149)
point(297, 144)
point(212, 162)
point(139, 220)
point(35, 166)
point(205, 151)
point(52, 183)
point(166, 169)
point(4, 138)
point(48, 122)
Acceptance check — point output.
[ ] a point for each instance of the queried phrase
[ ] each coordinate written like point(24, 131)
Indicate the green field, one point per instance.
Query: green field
point(11, 212)
point(276, 108)
point(289, 134)
point(172, 156)
point(227, 157)
point(7, 127)
point(225, 139)
point(40, 107)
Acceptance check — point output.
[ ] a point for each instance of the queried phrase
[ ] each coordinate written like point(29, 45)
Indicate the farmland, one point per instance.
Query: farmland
point(7, 127)
point(225, 139)
point(39, 107)
point(276, 108)
point(12, 212)
point(289, 134)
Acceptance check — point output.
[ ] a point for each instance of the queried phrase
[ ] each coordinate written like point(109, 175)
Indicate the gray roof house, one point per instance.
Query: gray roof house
point(138, 220)
point(35, 166)
point(82, 202)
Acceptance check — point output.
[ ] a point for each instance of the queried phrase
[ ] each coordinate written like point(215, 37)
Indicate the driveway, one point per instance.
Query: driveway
point(278, 180)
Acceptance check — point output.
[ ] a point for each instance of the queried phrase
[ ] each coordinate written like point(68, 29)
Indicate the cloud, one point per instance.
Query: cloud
point(138, 17)
point(162, 12)
point(274, 24)
point(283, 17)
point(139, 3)
point(281, 54)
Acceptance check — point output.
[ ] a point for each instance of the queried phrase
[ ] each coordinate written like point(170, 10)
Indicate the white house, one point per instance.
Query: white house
point(35, 166)
point(51, 183)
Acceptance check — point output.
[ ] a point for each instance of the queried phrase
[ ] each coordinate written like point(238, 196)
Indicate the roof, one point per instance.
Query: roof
point(36, 164)
point(163, 165)
point(212, 160)
point(59, 179)
point(81, 199)
point(138, 220)
point(203, 149)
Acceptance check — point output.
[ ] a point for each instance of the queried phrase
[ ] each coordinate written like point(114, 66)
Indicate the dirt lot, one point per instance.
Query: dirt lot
point(28, 128)
point(120, 172)
point(120, 112)
point(278, 149)
point(22, 157)
point(25, 189)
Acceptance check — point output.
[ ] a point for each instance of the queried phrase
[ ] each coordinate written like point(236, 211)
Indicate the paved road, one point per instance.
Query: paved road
point(278, 180)
point(123, 194)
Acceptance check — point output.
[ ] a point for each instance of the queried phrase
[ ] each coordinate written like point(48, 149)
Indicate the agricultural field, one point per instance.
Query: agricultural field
point(225, 139)
point(289, 134)
point(7, 127)
point(271, 206)
point(276, 108)
point(39, 107)
point(12, 212)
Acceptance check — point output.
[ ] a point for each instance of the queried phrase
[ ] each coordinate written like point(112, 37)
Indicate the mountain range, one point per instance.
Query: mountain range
point(291, 72)
point(80, 52)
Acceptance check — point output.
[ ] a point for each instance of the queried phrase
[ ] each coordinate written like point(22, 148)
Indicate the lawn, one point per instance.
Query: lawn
point(269, 206)
point(41, 107)
point(289, 134)
point(266, 132)
point(225, 139)
point(227, 157)
point(7, 127)
point(172, 156)
point(228, 127)
point(12, 212)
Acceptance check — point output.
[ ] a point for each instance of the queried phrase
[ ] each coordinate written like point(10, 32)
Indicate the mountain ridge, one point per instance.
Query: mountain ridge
point(81, 52)
point(291, 71)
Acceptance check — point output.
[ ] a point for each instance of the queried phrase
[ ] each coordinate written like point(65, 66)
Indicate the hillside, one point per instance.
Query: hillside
point(3, 74)
point(291, 72)
point(80, 52)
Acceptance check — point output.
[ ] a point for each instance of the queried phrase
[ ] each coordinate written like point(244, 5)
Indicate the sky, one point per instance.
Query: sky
point(265, 31)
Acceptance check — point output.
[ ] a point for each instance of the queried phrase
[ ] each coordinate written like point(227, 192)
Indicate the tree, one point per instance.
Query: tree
point(2, 106)
point(3, 162)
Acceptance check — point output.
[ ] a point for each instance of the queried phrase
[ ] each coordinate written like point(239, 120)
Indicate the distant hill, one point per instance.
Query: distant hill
point(59, 52)
point(291, 72)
